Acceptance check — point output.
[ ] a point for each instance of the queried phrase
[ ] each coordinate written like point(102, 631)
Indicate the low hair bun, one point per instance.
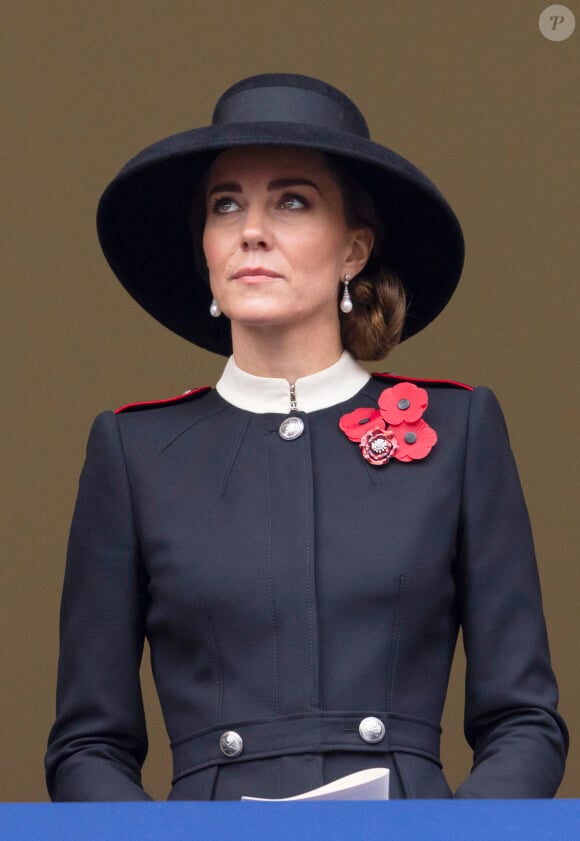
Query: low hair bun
point(375, 325)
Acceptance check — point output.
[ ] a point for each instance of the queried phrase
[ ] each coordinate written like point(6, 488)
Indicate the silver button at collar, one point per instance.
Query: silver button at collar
point(231, 743)
point(291, 428)
point(371, 730)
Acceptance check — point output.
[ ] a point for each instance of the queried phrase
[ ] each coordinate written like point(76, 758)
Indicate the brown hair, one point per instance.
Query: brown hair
point(374, 326)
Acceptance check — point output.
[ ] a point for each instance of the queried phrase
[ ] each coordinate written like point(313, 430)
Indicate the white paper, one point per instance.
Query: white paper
point(370, 784)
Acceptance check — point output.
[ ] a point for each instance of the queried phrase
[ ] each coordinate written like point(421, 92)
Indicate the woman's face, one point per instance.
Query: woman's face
point(275, 240)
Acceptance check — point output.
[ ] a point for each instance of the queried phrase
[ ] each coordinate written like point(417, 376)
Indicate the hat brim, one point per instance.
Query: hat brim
point(144, 223)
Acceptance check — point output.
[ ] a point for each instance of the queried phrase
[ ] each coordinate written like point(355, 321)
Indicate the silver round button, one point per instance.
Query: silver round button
point(371, 730)
point(291, 428)
point(231, 743)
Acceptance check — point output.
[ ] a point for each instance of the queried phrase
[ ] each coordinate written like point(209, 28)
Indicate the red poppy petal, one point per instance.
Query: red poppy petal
point(356, 424)
point(415, 441)
point(403, 403)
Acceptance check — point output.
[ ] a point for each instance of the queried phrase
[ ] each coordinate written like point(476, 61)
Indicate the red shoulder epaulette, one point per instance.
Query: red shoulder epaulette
point(190, 394)
point(423, 380)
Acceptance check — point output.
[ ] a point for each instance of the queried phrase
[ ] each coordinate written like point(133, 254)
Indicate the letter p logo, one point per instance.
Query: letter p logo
point(556, 23)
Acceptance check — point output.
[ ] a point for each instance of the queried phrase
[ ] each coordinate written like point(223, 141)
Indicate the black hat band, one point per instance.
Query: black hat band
point(285, 104)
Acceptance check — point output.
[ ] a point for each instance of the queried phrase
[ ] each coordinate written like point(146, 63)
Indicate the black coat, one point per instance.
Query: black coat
point(288, 590)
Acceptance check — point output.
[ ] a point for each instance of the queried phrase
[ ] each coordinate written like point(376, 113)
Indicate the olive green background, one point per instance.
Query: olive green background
point(471, 92)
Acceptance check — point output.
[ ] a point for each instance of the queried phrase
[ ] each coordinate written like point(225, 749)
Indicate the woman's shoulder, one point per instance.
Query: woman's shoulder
point(145, 405)
point(445, 395)
point(144, 422)
point(421, 382)
point(442, 399)
point(424, 390)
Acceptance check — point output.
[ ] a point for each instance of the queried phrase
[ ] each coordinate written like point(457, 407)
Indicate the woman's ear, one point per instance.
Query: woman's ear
point(361, 247)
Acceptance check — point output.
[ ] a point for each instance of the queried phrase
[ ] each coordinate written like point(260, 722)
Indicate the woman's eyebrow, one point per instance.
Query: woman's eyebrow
point(282, 183)
point(278, 184)
point(229, 187)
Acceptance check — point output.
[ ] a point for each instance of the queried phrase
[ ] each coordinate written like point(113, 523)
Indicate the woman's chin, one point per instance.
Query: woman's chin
point(259, 316)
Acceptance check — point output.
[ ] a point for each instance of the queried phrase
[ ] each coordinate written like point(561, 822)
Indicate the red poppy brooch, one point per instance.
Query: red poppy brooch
point(395, 430)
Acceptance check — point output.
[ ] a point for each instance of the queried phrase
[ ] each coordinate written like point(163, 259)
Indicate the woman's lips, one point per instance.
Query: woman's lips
point(255, 275)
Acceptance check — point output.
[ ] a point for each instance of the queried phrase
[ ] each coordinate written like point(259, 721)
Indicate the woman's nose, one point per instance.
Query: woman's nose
point(255, 232)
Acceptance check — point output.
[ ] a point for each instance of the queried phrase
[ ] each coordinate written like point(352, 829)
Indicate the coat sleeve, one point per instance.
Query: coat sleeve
point(511, 721)
point(98, 742)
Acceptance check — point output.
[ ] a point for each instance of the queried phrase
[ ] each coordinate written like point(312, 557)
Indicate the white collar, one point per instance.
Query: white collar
point(260, 395)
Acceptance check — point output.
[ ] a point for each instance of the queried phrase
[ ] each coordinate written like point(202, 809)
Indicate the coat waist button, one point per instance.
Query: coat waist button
point(231, 743)
point(371, 730)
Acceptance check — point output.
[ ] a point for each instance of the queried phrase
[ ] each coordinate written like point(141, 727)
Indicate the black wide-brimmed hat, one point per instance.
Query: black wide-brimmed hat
point(144, 215)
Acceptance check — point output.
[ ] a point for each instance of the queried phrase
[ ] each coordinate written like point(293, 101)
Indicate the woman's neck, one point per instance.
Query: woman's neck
point(271, 352)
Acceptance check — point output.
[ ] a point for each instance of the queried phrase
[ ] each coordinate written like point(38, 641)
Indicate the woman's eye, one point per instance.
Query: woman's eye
point(224, 204)
point(292, 202)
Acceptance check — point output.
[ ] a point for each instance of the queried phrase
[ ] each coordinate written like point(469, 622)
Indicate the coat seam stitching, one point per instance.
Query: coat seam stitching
point(399, 619)
point(232, 455)
point(270, 578)
point(219, 687)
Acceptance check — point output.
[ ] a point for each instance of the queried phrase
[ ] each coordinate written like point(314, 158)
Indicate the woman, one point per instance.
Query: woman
point(301, 544)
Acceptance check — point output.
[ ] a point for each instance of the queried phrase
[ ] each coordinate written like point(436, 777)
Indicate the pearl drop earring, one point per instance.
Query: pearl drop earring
point(346, 300)
point(214, 308)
